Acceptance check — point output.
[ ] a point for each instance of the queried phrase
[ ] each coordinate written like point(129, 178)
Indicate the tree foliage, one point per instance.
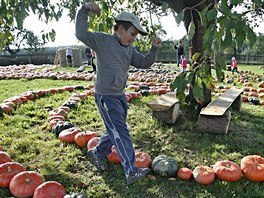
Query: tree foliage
point(14, 12)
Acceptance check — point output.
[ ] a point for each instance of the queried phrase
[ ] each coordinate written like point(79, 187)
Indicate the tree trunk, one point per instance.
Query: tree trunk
point(197, 46)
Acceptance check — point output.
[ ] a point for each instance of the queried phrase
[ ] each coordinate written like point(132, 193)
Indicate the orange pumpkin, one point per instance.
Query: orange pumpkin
point(261, 95)
point(58, 117)
point(65, 108)
point(227, 170)
point(113, 156)
point(82, 138)
point(143, 160)
point(24, 183)
point(253, 167)
point(260, 90)
point(4, 157)
point(93, 142)
point(184, 173)
point(244, 99)
point(58, 111)
point(50, 189)
point(6, 108)
point(261, 84)
point(68, 135)
point(252, 93)
point(203, 175)
point(8, 170)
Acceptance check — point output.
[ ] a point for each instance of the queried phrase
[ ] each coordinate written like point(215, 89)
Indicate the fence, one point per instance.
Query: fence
point(171, 57)
point(166, 57)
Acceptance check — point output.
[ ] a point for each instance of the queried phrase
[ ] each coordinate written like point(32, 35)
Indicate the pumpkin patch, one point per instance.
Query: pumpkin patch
point(161, 166)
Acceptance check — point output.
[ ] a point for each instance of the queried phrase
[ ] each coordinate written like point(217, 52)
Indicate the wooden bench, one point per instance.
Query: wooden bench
point(215, 118)
point(166, 107)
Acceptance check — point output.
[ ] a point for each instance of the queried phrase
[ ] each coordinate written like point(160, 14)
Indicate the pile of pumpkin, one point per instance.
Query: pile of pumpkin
point(23, 183)
point(251, 166)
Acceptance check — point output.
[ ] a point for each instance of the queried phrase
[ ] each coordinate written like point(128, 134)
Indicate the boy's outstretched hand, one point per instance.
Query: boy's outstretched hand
point(93, 7)
point(156, 42)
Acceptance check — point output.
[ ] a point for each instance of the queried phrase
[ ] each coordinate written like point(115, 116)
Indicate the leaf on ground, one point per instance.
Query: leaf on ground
point(151, 177)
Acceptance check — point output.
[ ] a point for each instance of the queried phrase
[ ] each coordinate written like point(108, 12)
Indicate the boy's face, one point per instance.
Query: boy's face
point(127, 37)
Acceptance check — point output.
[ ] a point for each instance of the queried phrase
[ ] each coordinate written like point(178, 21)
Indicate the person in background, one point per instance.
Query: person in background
point(93, 59)
point(69, 56)
point(180, 51)
point(89, 56)
point(183, 63)
point(234, 65)
point(115, 54)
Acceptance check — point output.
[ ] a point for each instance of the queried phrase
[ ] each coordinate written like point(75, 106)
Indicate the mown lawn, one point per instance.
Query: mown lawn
point(27, 138)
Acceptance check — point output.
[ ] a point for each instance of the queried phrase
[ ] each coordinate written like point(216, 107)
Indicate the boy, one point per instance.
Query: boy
point(114, 54)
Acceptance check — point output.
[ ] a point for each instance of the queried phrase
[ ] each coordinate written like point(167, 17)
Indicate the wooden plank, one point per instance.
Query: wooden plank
point(219, 106)
point(164, 102)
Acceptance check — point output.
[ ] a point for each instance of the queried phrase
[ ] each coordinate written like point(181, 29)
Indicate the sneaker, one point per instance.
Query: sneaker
point(98, 162)
point(138, 174)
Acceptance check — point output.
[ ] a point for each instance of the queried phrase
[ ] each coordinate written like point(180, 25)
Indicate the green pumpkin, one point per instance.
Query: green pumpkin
point(75, 195)
point(71, 104)
point(79, 87)
point(164, 166)
point(254, 100)
point(144, 92)
point(60, 126)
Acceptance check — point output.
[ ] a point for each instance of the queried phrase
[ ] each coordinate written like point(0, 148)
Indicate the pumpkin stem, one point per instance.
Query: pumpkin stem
point(9, 169)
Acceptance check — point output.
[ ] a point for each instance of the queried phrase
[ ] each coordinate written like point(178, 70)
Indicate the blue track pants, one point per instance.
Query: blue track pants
point(113, 109)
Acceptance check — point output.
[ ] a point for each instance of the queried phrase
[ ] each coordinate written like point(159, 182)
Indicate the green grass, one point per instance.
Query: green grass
point(27, 138)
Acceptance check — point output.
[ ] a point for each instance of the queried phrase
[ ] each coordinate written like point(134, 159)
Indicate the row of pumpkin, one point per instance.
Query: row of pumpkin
point(143, 89)
point(23, 183)
point(252, 166)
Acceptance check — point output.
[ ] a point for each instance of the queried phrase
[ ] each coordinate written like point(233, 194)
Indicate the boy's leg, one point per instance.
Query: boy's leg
point(113, 110)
